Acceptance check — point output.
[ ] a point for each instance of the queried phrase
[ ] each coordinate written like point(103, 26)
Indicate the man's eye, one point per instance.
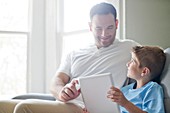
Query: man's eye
point(110, 28)
point(98, 28)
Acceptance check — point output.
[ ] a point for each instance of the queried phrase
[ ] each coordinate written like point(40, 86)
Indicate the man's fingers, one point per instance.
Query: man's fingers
point(69, 92)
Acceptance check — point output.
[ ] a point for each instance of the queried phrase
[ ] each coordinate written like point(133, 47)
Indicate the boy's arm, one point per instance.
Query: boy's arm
point(117, 96)
point(132, 108)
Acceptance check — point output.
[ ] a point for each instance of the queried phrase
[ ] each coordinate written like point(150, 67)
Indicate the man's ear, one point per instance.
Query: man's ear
point(90, 26)
point(117, 23)
point(145, 71)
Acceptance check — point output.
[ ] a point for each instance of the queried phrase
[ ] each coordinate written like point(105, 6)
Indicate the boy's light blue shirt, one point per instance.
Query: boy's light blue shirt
point(149, 98)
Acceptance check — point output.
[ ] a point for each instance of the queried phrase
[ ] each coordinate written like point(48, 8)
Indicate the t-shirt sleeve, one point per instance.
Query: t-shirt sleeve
point(153, 101)
point(65, 65)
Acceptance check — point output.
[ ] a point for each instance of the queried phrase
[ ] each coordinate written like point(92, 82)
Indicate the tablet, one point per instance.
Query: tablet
point(94, 90)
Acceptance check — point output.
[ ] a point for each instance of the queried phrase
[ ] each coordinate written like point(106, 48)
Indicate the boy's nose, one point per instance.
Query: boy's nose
point(127, 64)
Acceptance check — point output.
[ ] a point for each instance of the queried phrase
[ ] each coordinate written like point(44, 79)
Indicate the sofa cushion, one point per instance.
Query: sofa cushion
point(165, 81)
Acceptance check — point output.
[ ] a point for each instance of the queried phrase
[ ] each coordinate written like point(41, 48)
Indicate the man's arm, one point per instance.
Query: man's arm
point(57, 83)
point(61, 89)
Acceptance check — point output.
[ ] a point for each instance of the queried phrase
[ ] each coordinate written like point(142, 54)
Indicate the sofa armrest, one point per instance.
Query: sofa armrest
point(35, 96)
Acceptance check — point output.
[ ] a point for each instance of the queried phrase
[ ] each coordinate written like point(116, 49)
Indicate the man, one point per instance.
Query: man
point(108, 54)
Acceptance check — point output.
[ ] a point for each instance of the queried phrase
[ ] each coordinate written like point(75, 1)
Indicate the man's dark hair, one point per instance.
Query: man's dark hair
point(102, 9)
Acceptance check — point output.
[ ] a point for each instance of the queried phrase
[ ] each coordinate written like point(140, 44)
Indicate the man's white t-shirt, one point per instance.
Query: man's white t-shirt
point(91, 60)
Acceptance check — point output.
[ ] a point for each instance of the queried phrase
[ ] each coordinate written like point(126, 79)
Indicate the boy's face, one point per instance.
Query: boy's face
point(134, 71)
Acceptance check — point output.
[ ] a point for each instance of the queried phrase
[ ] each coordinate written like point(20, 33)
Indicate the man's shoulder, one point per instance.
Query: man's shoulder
point(125, 43)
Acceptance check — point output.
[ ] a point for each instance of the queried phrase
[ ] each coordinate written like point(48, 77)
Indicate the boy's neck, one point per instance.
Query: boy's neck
point(140, 84)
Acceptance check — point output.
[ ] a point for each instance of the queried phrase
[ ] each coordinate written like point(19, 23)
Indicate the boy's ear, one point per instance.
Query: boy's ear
point(145, 71)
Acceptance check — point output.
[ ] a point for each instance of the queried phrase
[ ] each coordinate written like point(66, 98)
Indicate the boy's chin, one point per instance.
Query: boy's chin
point(128, 75)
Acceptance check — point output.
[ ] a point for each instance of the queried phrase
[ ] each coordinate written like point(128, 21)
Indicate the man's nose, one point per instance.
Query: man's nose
point(104, 32)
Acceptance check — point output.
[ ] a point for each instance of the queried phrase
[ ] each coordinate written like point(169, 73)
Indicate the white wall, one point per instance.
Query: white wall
point(148, 21)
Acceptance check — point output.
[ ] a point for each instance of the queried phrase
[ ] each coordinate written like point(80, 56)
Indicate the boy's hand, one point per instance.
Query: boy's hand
point(117, 96)
point(85, 110)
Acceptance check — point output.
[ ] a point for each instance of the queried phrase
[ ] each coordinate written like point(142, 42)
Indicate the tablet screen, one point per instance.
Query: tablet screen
point(94, 90)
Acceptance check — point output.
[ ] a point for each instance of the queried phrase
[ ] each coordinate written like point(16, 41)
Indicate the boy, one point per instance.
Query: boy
point(144, 96)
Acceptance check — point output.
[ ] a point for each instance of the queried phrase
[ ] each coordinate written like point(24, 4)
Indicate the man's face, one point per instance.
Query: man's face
point(103, 28)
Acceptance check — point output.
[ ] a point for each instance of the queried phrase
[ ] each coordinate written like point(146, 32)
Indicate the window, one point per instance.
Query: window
point(13, 46)
point(76, 30)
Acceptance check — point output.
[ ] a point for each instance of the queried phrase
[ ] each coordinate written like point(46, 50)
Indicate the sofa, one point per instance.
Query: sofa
point(164, 81)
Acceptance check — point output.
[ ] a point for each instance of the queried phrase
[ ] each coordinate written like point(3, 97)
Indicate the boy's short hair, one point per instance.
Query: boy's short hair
point(152, 57)
point(103, 8)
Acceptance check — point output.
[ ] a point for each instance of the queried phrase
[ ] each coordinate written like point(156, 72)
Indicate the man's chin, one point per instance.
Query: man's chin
point(106, 44)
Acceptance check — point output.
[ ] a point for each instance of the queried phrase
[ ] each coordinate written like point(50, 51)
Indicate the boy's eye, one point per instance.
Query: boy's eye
point(132, 60)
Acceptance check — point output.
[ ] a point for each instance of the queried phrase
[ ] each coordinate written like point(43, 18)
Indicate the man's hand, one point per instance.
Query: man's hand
point(69, 91)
